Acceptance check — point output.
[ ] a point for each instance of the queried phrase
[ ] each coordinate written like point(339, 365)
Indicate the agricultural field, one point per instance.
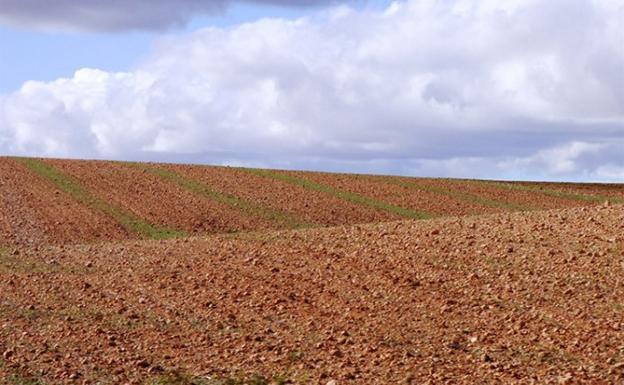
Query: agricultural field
point(51, 201)
point(144, 273)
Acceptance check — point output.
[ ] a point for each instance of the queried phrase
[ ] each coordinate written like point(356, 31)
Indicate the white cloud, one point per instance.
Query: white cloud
point(462, 88)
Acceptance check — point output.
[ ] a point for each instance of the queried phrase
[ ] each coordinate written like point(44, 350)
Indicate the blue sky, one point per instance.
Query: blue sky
point(47, 55)
point(521, 89)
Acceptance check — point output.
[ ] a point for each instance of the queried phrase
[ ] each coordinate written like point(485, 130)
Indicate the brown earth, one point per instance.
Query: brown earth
point(520, 298)
point(596, 189)
point(421, 201)
point(311, 206)
point(33, 211)
point(157, 201)
point(498, 193)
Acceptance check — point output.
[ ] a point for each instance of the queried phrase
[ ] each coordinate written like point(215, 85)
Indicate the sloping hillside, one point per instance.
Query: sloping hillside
point(533, 297)
point(45, 201)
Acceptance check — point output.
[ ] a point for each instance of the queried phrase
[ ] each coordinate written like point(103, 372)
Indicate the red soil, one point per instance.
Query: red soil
point(34, 211)
point(157, 201)
point(410, 198)
point(507, 298)
point(308, 205)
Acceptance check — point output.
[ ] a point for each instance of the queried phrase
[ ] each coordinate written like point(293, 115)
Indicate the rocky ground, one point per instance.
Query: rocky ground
point(62, 202)
point(534, 297)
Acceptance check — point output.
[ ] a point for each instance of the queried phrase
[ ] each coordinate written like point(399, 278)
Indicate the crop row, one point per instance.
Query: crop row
point(63, 201)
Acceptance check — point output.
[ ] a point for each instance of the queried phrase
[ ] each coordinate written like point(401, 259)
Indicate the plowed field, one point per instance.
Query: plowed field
point(47, 201)
point(507, 298)
point(126, 273)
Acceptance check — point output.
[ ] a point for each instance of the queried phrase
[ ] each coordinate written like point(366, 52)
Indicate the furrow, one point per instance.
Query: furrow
point(283, 220)
point(72, 187)
point(344, 195)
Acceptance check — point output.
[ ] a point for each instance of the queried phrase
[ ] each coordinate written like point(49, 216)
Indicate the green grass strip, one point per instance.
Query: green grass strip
point(462, 196)
point(72, 187)
point(554, 193)
point(279, 217)
point(348, 196)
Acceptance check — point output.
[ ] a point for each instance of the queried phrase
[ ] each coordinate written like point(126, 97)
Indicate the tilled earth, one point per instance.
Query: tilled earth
point(523, 298)
point(34, 212)
point(62, 202)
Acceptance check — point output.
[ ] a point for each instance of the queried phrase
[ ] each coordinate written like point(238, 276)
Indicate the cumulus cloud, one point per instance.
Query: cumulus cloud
point(116, 15)
point(431, 87)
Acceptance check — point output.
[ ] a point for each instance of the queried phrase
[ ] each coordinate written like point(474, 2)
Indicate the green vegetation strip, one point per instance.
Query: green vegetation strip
point(17, 379)
point(554, 193)
point(72, 187)
point(345, 195)
point(284, 219)
point(176, 378)
point(462, 196)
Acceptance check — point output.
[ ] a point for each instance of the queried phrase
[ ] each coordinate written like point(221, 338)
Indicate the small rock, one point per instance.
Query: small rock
point(142, 364)
point(332, 382)
point(6, 355)
point(617, 367)
point(565, 379)
point(74, 376)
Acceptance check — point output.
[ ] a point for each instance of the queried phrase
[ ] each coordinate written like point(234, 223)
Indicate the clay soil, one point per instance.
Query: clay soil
point(157, 201)
point(497, 192)
point(595, 189)
point(33, 211)
point(496, 299)
point(421, 201)
point(311, 206)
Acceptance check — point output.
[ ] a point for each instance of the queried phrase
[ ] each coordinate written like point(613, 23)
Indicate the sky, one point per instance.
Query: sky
point(521, 89)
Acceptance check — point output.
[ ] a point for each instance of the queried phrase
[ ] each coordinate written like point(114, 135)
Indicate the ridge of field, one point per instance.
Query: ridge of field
point(530, 297)
point(507, 196)
point(311, 206)
point(457, 193)
point(159, 201)
point(282, 219)
point(344, 194)
point(72, 187)
point(580, 192)
point(33, 210)
point(130, 200)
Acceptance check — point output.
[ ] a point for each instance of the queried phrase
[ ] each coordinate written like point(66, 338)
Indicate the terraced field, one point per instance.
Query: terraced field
point(158, 274)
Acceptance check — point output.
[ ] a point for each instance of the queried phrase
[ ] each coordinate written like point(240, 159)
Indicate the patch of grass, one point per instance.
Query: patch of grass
point(72, 187)
point(345, 195)
point(16, 379)
point(555, 193)
point(462, 196)
point(177, 378)
point(283, 219)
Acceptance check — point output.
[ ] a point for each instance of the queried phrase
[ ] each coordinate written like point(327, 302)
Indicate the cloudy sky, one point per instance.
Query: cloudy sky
point(515, 89)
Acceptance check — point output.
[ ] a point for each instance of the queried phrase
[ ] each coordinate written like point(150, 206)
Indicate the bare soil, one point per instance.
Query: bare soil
point(505, 298)
point(33, 211)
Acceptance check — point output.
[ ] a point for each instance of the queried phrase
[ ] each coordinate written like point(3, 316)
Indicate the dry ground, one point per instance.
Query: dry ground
point(533, 297)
